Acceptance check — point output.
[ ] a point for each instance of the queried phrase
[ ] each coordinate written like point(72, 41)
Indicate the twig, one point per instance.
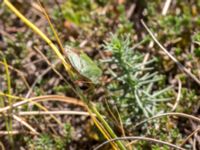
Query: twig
point(172, 57)
point(139, 138)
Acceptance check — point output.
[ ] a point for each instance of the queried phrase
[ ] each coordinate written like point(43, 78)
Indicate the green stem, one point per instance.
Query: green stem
point(108, 128)
point(8, 119)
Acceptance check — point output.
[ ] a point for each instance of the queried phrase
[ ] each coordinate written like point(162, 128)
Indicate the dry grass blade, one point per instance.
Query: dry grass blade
point(32, 102)
point(38, 79)
point(62, 112)
point(2, 146)
point(45, 98)
point(189, 136)
point(169, 114)
point(25, 101)
point(139, 138)
point(166, 7)
point(20, 73)
point(178, 96)
point(25, 124)
point(14, 132)
point(172, 57)
point(51, 25)
point(122, 128)
point(53, 66)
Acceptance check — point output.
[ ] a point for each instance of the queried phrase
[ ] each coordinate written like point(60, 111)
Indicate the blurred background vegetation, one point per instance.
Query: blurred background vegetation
point(139, 80)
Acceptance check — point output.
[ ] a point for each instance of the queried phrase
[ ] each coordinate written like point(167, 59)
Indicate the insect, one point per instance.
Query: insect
point(84, 65)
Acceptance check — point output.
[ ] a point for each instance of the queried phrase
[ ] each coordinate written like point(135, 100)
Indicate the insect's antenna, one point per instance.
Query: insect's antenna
point(51, 25)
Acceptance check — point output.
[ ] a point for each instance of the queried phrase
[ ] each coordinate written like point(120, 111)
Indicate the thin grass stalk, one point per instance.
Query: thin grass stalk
point(106, 125)
point(102, 130)
point(51, 26)
point(8, 119)
point(21, 74)
point(172, 146)
point(92, 109)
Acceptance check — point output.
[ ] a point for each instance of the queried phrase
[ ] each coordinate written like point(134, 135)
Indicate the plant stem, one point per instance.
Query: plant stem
point(8, 119)
point(106, 125)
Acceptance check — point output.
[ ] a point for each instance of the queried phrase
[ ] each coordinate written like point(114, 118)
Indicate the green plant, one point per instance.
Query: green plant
point(51, 142)
point(124, 26)
point(175, 23)
point(134, 88)
point(158, 147)
point(43, 142)
point(75, 11)
point(197, 52)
